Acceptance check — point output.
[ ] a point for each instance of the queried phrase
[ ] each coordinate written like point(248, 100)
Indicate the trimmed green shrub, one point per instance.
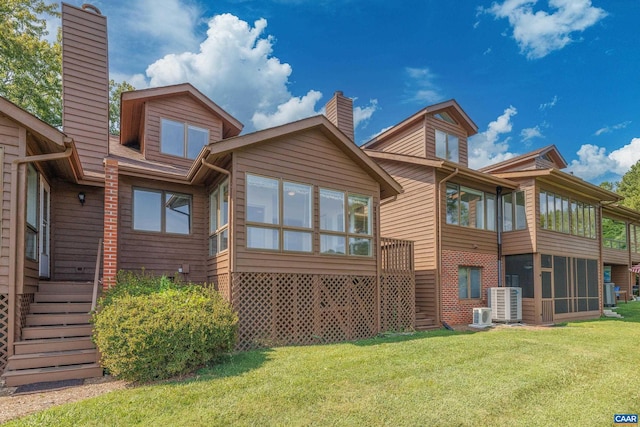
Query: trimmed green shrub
point(163, 334)
point(138, 283)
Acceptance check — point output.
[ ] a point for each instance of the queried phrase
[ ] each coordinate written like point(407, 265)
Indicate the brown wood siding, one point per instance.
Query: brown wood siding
point(410, 142)
point(529, 311)
point(162, 253)
point(9, 139)
point(432, 124)
point(75, 230)
point(555, 243)
point(85, 81)
point(412, 217)
point(615, 256)
point(306, 157)
point(181, 108)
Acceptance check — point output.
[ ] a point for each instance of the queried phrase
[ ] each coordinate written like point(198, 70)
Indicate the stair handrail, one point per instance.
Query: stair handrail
point(96, 277)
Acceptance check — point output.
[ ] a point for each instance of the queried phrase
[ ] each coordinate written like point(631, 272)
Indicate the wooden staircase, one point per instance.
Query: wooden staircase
point(56, 339)
point(424, 322)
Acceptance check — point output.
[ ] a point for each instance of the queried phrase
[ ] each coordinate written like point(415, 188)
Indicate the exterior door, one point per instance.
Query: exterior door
point(45, 228)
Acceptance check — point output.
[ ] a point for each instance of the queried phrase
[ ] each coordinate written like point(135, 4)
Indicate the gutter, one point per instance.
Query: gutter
point(439, 226)
point(14, 258)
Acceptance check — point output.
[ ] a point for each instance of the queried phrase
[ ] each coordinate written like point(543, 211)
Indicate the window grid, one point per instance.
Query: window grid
point(219, 219)
point(471, 208)
point(181, 139)
point(565, 215)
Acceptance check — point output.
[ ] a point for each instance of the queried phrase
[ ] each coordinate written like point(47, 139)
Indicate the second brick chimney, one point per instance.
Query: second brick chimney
point(339, 110)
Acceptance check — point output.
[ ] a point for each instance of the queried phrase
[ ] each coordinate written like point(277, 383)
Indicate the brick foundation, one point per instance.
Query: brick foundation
point(457, 311)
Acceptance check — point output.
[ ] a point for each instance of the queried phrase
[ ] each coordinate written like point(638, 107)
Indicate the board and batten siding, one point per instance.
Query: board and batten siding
point(306, 157)
point(182, 108)
point(75, 230)
point(85, 84)
point(412, 217)
point(432, 124)
point(410, 141)
point(163, 253)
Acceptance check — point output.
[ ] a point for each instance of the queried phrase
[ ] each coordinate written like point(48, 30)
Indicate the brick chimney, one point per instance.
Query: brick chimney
point(85, 83)
point(339, 110)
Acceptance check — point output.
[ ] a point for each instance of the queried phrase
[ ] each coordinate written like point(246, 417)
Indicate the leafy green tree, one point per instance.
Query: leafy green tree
point(115, 89)
point(30, 66)
point(608, 185)
point(629, 187)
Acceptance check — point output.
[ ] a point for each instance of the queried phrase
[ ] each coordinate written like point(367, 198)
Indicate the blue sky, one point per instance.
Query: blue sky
point(528, 73)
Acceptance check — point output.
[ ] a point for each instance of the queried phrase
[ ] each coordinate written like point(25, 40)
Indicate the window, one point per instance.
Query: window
point(634, 237)
point(469, 282)
point(572, 283)
point(565, 215)
point(161, 211)
point(31, 233)
point(340, 234)
point(219, 219)
point(614, 234)
point(181, 139)
point(447, 146)
point(514, 213)
point(279, 214)
point(470, 208)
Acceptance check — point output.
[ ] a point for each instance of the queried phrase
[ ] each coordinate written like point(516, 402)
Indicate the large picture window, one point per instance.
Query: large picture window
point(345, 231)
point(614, 234)
point(447, 146)
point(219, 219)
point(279, 214)
point(562, 214)
point(514, 211)
point(31, 232)
point(470, 208)
point(161, 211)
point(182, 139)
point(469, 282)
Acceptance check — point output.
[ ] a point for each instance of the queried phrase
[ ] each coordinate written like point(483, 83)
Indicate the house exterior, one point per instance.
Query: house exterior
point(284, 222)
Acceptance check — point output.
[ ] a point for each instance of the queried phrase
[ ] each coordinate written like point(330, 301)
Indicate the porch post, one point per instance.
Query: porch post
point(110, 253)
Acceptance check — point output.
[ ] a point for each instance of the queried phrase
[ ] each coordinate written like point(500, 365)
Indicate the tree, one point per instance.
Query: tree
point(629, 187)
point(115, 89)
point(609, 186)
point(30, 66)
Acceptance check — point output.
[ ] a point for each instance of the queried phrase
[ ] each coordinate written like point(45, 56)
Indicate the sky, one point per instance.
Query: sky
point(528, 73)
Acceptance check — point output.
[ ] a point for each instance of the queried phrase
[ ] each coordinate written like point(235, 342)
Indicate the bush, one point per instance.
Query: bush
point(138, 283)
point(157, 335)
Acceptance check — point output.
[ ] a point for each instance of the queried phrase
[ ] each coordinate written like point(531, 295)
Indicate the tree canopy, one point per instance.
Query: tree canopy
point(629, 187)
point(30, 66)
point(115, 89)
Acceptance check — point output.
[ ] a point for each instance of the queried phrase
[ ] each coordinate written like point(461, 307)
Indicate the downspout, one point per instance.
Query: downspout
point(499, 227)
point(439, 251)
point(13, 236)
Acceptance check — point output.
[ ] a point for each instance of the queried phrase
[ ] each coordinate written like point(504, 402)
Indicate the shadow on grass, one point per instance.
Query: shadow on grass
point(394, 337)
point(630, 312)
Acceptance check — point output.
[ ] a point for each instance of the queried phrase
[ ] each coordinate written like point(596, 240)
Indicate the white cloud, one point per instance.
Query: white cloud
point(549, 105)
point(292, 110)
point(593, 162)
point(421, 86)
point(487, 148)
point(609, 129)
point(528, 134)
point(361, 115)
point(541, 32)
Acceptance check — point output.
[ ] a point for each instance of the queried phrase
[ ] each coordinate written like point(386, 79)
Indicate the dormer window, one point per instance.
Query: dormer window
point(447, 146)
point(445, 117)
point(182, 139)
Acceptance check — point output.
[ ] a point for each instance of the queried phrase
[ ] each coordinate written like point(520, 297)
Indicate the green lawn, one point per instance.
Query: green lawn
point(580, 374)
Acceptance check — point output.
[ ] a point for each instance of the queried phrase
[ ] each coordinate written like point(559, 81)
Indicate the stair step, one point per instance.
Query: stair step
point(51, 358)
point(71, 372)
point(53, 344)
point(65, 287)
point(60, 307)
point(57, 319)
point(39, 332)
point(62, 297)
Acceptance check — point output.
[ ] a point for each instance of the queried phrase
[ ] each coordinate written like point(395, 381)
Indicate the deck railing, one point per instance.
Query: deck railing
point(396, 255)
point(96, 277)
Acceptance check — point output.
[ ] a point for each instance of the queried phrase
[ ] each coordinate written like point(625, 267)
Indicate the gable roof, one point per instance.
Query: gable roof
point(445, 166)
point(388, 186)
point(451, 107)
point(131, 109)
point(48, 139)
point(550, 153)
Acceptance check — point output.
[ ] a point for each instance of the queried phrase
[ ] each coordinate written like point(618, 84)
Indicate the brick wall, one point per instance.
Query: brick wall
point(457, 311)
point(110, 254)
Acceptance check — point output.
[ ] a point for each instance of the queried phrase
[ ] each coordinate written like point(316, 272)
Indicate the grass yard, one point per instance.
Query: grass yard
point(580, 374)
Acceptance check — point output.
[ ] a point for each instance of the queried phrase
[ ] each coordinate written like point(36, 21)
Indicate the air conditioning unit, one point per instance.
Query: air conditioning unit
point(482, 316)
point(506, 304)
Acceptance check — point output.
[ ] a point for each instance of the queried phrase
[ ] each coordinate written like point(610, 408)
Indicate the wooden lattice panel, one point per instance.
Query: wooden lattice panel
point(4, 330)
point(24, 305)
point(397, 302)
point(222, 285)
point(279, 309)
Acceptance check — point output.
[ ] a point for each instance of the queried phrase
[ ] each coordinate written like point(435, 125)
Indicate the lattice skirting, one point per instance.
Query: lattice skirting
point(4, 330)
point(278, 309)
point(397, 302)
point(24, 305)
point(222, 284)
